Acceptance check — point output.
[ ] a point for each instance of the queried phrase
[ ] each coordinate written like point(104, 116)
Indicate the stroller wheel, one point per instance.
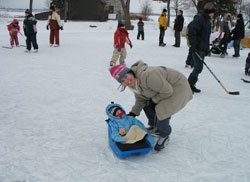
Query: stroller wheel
point(222, 55)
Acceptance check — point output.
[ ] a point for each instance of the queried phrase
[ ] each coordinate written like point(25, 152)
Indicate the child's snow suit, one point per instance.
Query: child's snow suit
point(125, 122)
point(54, 21)
point(14, 29)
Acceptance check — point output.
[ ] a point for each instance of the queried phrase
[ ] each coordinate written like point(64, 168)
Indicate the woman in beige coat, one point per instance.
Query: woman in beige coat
point(159, 91)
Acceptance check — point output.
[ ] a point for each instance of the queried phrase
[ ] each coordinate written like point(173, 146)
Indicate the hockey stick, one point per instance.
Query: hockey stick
point(231, 93)
point(244, 80)
point(22, 36)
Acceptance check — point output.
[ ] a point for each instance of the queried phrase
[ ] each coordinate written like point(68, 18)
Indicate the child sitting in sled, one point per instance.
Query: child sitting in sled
point(126, 131)
point(14, 29)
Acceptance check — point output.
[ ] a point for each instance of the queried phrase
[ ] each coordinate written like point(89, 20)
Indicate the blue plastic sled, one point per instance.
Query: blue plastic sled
point(125, 154)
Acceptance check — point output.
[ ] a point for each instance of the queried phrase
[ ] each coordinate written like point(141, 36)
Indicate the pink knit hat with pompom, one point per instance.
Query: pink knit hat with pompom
point(119, 71)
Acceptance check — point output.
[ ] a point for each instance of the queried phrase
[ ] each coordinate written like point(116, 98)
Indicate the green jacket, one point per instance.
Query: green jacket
point(167, 88)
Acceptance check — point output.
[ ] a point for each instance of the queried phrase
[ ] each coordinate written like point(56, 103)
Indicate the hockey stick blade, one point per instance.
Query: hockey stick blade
point(244, 80)
point(234, 93)
point(7, 47)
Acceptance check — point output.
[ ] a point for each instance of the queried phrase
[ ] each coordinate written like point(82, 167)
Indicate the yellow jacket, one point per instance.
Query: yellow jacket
point(163, 21)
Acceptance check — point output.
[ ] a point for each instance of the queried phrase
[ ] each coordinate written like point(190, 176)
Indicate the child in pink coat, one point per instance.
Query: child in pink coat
point(14, 29)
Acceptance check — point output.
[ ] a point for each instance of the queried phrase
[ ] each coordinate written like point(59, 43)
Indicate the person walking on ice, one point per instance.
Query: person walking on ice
point(54, 24)
point(120, 38)
point(30, 31)
point(199, 31)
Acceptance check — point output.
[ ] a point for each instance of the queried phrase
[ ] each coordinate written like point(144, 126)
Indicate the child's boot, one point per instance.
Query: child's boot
point(112, 64)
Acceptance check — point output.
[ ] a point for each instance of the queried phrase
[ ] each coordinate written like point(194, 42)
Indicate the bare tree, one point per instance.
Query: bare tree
point(240, 4)
point(31, 5)
point(178, 4)
point(66, 10)
point(246, 11)
point(146, 8)
point(47, 3)
point(125, 7)
point(168, 7)
point(195, 2)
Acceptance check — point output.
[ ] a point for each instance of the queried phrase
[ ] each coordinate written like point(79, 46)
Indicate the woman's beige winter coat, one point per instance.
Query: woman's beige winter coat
point(167, 88)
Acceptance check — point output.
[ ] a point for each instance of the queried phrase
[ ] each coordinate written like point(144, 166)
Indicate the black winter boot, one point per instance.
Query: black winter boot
point(161, 142)
point(192, 80)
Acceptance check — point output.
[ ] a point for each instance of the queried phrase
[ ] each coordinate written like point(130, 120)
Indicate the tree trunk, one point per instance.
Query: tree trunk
point(168, 6)
point(195, 4)
point(31, 5)
point(125, 7)
point(66, 10)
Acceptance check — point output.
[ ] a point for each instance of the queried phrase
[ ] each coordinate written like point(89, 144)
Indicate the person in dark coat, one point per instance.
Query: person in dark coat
point(178, 26)
point(140, 29)
point(30, 31)
point(237, 34)
point(199, 31)
point(226, 28)
point(247, 66)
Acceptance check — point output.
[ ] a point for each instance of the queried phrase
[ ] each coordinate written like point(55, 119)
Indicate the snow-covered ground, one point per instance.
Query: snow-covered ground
point(52, 112)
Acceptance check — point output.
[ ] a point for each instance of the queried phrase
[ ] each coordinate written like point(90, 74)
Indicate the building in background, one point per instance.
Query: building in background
point(90, 10)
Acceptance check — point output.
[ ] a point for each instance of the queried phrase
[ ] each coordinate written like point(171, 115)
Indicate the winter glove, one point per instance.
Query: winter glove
point(61, 28)
point(131, 114)
point(130, 44)
point(119, 49)
point(47, 27)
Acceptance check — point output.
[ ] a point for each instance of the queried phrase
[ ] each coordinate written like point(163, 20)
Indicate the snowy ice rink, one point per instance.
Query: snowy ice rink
point(52, 111)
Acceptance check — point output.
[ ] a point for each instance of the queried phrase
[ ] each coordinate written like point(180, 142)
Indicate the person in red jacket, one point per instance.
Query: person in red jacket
point(14, 29)
point(54, 23)
point(120, 37)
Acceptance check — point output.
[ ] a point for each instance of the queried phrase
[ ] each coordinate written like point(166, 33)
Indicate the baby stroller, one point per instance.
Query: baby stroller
point(216, 42)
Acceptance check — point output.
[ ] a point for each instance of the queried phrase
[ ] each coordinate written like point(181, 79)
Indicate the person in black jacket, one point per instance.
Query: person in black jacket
point(237, 34)
point(226, 28)
point(140, 29)
point(178, 26)
point(199, 31)
point(30, 31)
